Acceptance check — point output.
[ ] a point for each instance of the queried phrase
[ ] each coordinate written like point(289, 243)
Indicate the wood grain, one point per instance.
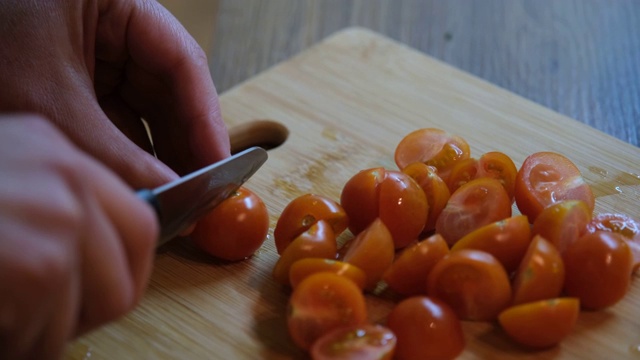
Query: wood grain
point(345, 104)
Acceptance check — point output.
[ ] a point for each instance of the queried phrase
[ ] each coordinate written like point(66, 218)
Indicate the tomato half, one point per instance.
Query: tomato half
point(234, 229)
point(541, 324)
point(321, 303)
point(563, 222)
point(361, 342)
point(493, 164)
point(303, 268)
point(546, 178)
point(426, 328)
point(622, 224)
point(434, 188)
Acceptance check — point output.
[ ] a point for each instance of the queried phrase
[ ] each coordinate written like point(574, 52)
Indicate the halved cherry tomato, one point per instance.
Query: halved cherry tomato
point(434, 188)
point(321, 303)
point(303, 268)
point(563, 222)
point(540, 275)
point(475, 204)
point(235, 229)
point(304, 211)
point(372, 251)
point(360, 342)
point(472, 282)
point(598, 269)
point(622, 224)
point(541, 324)
point(409, 271)
point(507, 240)
point(493, 164)
point(461, 173)
point(426, 328)
point(392, 196)
point(318, 241)
point(433, 147)
point(546, 178)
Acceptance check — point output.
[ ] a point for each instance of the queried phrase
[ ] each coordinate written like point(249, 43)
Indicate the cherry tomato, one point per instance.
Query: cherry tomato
point(563, 222)
point(372, 251)
point(433, 147)
point(494, 164)
point(434, 188)
point(540, 275)
point(461, 173)
point(409, 271)
point(235, 229)
point(622, 224)
point(598, 269)
point(392, 196)
point(321, 303)
point(304, 211)
point(361, 342)
point(302, 268)
point(546, 178)
point(475, 204)
point(541, 324)
point(318, 241)
point(426, 328)
point(507, 240)
point(472, 282)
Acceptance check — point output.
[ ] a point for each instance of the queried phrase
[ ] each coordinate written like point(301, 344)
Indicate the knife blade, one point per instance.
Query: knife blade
point(180, 203)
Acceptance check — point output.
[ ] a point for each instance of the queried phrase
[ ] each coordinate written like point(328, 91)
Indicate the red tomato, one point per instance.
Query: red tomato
point(541, 324)
point(361, 342)
point(321, 303)
point(235, 229)
point(540, 275)
point(563, 222)
point(623, 225)
point(434, 188)
point(392, 196)
point(598, 269)
point(426, 328)
point(475, 204)
point(472, 282)
point(303, 268)
point(433, 147)
point(546, 178)
point(304, 211)
point(409, 271)
point(494, 164)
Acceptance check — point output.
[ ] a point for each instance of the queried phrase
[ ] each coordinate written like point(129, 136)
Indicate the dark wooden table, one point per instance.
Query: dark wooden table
point(578, 57)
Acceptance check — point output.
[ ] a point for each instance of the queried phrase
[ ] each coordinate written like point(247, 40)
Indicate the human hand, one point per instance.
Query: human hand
point(76, 244)
point(96, 67)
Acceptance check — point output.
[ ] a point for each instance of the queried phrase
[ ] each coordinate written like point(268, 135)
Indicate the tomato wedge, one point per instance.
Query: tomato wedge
point(493, 164)
point(562, 223)
point(361, 342)
point(434, 188)
point(303, 268)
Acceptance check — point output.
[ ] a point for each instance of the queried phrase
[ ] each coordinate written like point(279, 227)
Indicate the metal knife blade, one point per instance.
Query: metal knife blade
point(181, 202)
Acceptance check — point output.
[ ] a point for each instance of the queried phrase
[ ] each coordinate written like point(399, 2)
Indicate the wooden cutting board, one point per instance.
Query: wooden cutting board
point(340, 107)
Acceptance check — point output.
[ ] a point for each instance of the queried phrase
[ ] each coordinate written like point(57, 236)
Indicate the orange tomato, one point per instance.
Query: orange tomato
point(546, 178)
point(426, 328)
point(360, 342)
point(475, 204)
point(598, 269)
point(540, 275)
point(321, 303)
point(392, 196)
point(472, 282)
point(318, 241)
point(622, 224)
point(304, 211)
point(409, 271)
point(540, 324)
point(434, 188)
point(303, 268)
point(494, 165)
point(563, 222)
point(235, 229)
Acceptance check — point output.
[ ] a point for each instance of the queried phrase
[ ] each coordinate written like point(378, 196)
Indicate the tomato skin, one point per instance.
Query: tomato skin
point(472, 282)
point(562, 223)
point(622, 224)
point(541, 324)
point(475, 204)
point(303, 268)
point(434, 188)
point(540, 275)
point(304, 211)
point(234, 229)
point(362, 342)
point(598, 269)
point(426, 328)
point(546, 178)
point(321, 303)
point(409, 271)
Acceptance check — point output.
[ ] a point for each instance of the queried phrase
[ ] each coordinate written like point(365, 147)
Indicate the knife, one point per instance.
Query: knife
point(181, 202)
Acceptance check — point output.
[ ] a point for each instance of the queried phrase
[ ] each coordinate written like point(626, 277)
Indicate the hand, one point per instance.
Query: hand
point(96, 67)
point(76, 244)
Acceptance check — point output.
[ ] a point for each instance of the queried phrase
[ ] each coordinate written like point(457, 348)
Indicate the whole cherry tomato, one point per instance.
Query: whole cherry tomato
point(622, 224)
point(434, 188)
point(563, 222)
point(359, 342)
point(234, 229)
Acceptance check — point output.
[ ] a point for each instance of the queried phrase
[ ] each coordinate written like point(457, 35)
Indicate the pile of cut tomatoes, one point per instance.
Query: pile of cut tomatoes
point(439, 233)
